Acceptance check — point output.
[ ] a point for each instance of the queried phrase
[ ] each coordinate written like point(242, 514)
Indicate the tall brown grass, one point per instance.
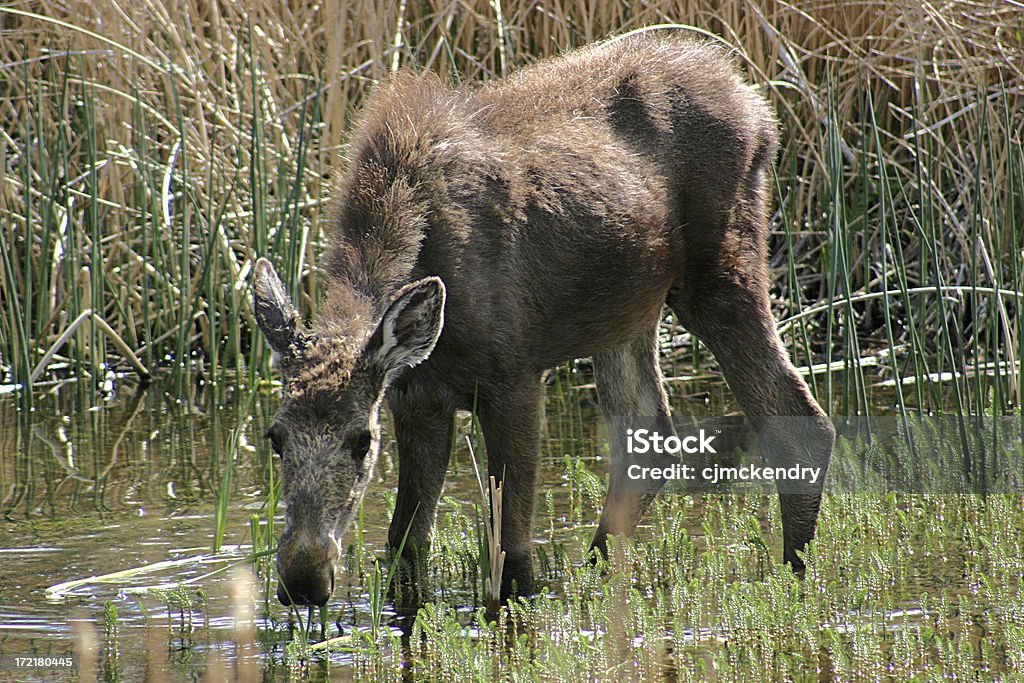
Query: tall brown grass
point(149, 150)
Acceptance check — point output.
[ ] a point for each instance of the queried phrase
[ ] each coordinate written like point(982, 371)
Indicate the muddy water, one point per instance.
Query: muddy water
point(93, 490)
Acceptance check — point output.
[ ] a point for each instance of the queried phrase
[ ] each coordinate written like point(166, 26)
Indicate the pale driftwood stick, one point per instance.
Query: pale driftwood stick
point(106, 329)
point(61, 340)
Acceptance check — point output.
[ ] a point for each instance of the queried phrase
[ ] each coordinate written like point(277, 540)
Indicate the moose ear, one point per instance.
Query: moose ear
point(410, 327)
point(275, 313)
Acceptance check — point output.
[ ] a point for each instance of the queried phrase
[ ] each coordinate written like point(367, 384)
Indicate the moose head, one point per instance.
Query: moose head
point(327, 430)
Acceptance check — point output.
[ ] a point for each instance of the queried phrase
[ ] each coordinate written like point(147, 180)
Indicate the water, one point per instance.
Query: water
point(91, 490)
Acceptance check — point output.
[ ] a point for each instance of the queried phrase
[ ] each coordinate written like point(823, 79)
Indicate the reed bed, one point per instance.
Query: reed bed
point(149, 151)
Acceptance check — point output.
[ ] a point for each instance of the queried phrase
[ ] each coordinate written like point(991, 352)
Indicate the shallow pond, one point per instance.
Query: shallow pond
point(133, 484)
point(133, 481)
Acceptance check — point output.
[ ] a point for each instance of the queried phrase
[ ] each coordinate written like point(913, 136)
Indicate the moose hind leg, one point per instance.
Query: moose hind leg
point(629, 390)
point(731, 315)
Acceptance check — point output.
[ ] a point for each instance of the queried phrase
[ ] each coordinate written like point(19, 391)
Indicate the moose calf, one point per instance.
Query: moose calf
point(483, 235)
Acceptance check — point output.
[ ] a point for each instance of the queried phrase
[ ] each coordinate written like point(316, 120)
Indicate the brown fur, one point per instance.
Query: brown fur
point(562, 208)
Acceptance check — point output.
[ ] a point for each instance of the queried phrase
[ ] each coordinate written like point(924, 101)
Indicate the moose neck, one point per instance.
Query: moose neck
point(388, 196)
point(375, 238)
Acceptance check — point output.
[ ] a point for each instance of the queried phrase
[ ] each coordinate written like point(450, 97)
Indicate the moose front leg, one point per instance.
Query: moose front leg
point(423, 429)
point(511, 426)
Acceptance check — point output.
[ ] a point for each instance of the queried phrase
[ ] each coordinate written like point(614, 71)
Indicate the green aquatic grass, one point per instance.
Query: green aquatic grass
point(225, 490)
point(898, 586)
point(903, 586)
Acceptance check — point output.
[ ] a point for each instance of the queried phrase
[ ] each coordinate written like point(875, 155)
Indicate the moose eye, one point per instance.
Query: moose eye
point(361, 446)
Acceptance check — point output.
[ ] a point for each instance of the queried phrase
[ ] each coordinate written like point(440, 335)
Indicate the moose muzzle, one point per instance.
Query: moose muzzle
point(305, 565)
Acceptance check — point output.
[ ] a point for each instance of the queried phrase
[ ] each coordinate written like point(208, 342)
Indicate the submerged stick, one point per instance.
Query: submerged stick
point(227, 557)
point(60, 590)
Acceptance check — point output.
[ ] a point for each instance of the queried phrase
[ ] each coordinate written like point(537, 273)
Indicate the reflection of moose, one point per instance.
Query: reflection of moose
point(484, 235)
